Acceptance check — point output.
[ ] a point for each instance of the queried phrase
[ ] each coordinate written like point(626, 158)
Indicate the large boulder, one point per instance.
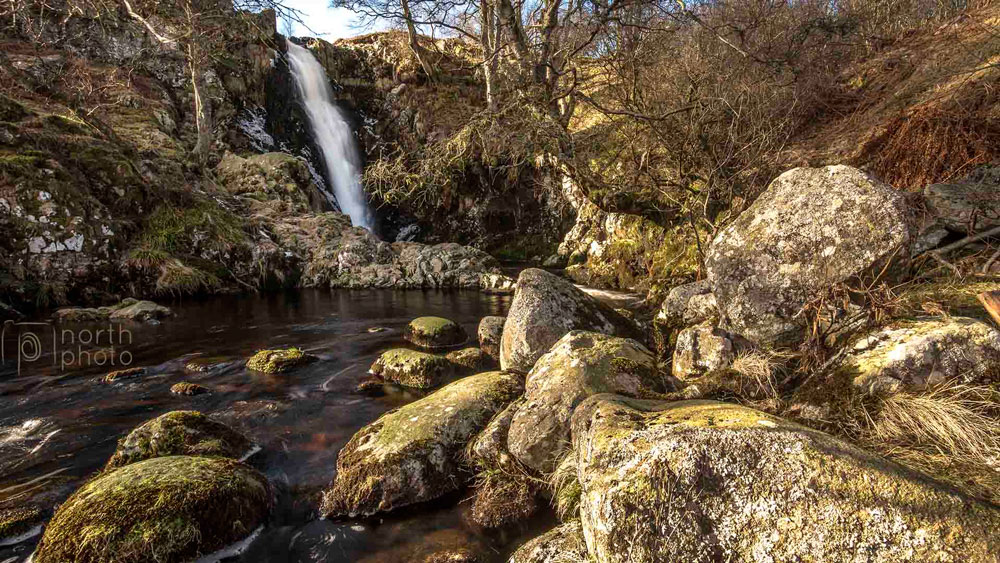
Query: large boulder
point(914, 354)
point(579, 365)
point(972, 205)
point(563, 544)
point(434, 332)
point(179, 433)
point(708, 481)
point(546, 307)
point(490, 332)
point(811, 228)
point(411, 368)
point(167, 509)
point(415, 453)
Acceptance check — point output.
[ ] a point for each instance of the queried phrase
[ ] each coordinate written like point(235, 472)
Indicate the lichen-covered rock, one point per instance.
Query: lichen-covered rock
point(271, 176)
point(471, 360)
point(915, 354)
point(278, 361)
point(129, 309)
point(415, 453)
point(168, 509)
point(972, 205)
point(544, 309)
point(490, 332)
point(120, 375)
point(563, 544)
point(489, 449)
point(143, 311)
point(434, 332)
point(702, 349)
point(190, 389)
point(204, 365)
point(179, 433)
point(19, 524)
point(411, 368)
point(498, 284)
point(811, 228)
point(579, 365)
point(708, 481)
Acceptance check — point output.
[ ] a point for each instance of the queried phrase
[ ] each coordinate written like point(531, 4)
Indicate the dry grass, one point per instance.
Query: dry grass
point(566, 489)
point(758, 371)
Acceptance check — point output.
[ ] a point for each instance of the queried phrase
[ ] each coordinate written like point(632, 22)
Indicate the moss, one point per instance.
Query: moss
point(167, 509)
point(177, 278)
point(412, 369)
point(434, 332)
point(170, 229)
point(186, 388)
point(122, 374)
point(278, 361)
point(11, 110)
point(179, 433)
point(502, 499)
point(18, 521)
point(473, 360)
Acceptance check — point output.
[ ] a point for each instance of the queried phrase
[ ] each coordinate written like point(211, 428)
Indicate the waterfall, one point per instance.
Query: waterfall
point(332, 133)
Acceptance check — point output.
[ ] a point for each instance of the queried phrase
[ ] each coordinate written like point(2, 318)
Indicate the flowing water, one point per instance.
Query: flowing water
point(58, 425)
point(332, 134)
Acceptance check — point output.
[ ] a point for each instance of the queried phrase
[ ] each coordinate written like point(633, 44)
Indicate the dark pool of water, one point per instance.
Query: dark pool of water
point(59, 424)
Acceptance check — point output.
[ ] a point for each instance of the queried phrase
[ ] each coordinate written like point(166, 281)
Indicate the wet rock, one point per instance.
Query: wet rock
point(656, 475)
point(490, 332)
point(169, 509)
point(497, 284)
point(189, 389)
point(123, 374)
point(412, 369)
point(278, 361)
point(434, 332)
point(811, 228)
point(415, 453)
point(19, 524)
point(972, 205)
point(179, 433)
point(204, 365)
point(914, 354)
point(544, 309)
point(564, 544)
point(459, 555)
point(129, 309)
point(700, 350)
point(579, 365)
point(371, 387)
point(472, 360)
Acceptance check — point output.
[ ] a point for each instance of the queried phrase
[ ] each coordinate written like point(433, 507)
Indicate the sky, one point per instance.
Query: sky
point(328, 23)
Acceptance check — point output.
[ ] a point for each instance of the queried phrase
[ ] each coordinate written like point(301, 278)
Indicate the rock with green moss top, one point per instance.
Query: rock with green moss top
point(471, 360)
point(168, 509)
point(19, 524)
point(189, 389)
point(434, 332)
point(411, 368)
point(544, 309)
point(179, 433)
point(708, 481)
point(563, 544)
point(579, 365)
point(811, 229)
point(914, 354)
point(490, 332)
point(416, 453)
point(123, 374)
point(278, 361)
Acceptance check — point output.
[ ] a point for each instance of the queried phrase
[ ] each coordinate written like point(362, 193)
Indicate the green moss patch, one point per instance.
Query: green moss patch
point(123, 374)
point(16, 522)
point(186, 388)
point(278, 361)
point(434, 332)
point(179, 433)
point(412, 369)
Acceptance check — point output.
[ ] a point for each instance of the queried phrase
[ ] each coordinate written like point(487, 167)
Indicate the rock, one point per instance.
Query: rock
point(278, 361)
point(169, 509)
point(129, 310)
point(19, 524)
point(434, 332)
point(472, 360)
point(488, 450)
point(185, 388)
point(123, 374)
point(490, 332)
point(370, 387)
point(914, 354)
point(497, 284)
point(459, 555)
point(141, 311)
point(563, 544)
point(708, 481)
point(179, 433)
point(8, 313)
point(700, 350)
point(972, 205)
point(544, 309)
point(811, 228)
point(411, 368)
point(204, 365)
point(674, 313)
point(415, 453)
point(276, 176)
point(579, 365)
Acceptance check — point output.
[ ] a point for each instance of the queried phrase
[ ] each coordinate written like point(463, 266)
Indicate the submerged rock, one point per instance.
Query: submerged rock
point(579, 365)
point(490, 332)
point(707, 481)
point(434, 332)
point(811, 228)
point(168, 509)
point(123, 374)
point(204, 365)
point(472, 360)
point(563, 544)
point(19, 524)
point(702, 349)
point(544, 309)
point(415, 453)
point(145, 311)
point(129, 309)
point(411, 368)
point(278, 361)
point(186, 388)
point(179, 433)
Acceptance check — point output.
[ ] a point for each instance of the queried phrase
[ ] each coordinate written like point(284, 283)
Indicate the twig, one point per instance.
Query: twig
point(965, 242)
point(989, 263)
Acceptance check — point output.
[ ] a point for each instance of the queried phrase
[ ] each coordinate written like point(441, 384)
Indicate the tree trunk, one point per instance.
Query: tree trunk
point(418, 50)
point(512, 21)
point(202, 112)
point(489, 39)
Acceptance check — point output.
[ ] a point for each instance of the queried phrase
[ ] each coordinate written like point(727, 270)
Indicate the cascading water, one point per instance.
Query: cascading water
point(332, 133)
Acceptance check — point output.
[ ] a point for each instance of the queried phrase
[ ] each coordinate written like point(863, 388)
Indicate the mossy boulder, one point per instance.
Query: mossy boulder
point(490, 332)
point(415, 453)
point(709, 481)
point(278, 361)
point(120, 375)
point(179, 433)
point(581, 364)
point(544, 309)
point(167, 509)
point(563, 544)
point(434, 332)
point(471, 360)
point(914, 354)
point(411, 368)
point(19, 524)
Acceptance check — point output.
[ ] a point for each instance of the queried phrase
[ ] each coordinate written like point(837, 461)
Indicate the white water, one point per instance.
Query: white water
point(333, 134)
